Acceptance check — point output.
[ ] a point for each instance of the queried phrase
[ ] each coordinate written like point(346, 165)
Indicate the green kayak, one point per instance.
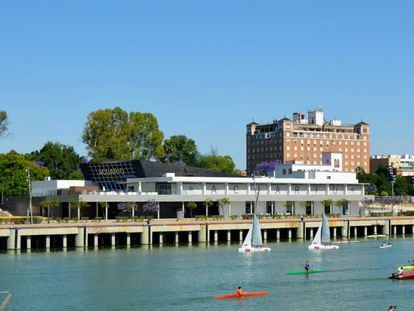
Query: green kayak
point(305, 272)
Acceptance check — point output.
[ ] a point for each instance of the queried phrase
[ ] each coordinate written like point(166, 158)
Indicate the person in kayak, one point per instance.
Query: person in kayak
point(306, 265)
point(239, 291)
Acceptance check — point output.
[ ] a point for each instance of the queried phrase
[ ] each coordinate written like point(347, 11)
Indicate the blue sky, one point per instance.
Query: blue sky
point(206, 68)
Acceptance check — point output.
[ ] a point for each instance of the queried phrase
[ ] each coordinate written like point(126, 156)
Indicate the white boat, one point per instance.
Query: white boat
point(385, 245)
point(322, 238)
point(253, 241)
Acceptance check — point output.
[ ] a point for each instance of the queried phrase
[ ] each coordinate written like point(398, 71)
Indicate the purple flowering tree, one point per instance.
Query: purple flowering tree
point(263, 168)
point(151, 206)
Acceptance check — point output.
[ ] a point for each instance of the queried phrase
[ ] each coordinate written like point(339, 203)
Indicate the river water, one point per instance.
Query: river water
point(187, 277)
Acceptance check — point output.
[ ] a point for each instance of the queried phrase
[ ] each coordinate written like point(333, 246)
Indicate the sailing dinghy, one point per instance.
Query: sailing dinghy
point(322, 238)
point(253, 241)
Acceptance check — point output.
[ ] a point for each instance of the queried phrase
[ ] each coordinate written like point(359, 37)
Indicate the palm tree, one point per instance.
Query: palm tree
point(191, 206)
point(80, 205)
point(208, 202)
point(341, 204)
point(327, 203)
point(223, 203)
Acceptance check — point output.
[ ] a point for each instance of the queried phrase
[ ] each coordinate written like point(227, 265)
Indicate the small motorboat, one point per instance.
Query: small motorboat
point(385, 245)
point(402, 275)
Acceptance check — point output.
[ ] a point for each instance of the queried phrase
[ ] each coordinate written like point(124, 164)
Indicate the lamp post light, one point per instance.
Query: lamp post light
point(392, 175)
point(30, 210)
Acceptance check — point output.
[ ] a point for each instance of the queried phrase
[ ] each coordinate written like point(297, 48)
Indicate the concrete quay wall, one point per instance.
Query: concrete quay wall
point(90, 234)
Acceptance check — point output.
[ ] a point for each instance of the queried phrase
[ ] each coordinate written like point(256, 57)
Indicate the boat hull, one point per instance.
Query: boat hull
point(254, 249)
point(244, 295)
point(296, 272)
point(402, 276)
point(317, 247)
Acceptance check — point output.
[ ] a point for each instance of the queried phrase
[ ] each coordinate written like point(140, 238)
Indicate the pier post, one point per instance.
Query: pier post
point(161, 238)
point(241, 235)
point(290, 234)
point(177, 238)
point(365, 231)
point(394, 229)
point(48, 242)
point(355, 232)
point(403, 230)
point(96, 240)
point(65, 241)
point(202, 234)
point(375, 229)
point(29, 242)
point(113, 239)
point(278, 234)
point(228, 236)
point(128, 240)
point(386, 228)
point(215, 236)
point(334, 232)
point(190, 237)
point(146, 236)
point(265, 235)
point(345, 232)
point(79, 241)
point(311, 233)
point(301, 230)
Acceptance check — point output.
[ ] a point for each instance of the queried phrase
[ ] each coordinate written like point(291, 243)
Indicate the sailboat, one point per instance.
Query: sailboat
point(253, 241)
point(322, 238)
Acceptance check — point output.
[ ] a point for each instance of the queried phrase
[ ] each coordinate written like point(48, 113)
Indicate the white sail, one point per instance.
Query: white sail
point(248, 239)
point(322, 238)
point(257, 234)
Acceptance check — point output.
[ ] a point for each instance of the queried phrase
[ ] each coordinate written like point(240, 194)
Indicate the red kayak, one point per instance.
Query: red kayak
point(247, 294)
point(402, 276)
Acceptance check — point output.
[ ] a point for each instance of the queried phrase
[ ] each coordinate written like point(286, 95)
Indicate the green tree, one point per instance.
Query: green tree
point(223, 203)
point(208, 203)
point(191, 206)
point(113, 134)
point(180, 148)
point(79, 205)
point(14, 176)
point(327, 204)
point(4, 123)
point(341, 204)
point(61, 160)
point(145, 139)
point(218, 163)
point(50, 204)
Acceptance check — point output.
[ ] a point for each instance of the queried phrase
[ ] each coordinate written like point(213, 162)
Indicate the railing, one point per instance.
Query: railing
point(6, 304)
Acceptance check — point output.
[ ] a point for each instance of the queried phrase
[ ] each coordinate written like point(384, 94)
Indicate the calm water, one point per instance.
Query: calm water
point(186, 278)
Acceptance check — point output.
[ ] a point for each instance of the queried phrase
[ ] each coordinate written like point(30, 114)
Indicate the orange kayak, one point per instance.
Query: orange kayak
point(247, 294)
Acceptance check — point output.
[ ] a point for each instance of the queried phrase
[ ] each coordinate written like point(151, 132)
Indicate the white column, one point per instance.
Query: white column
point(278, 234)
point(265, 235)
point(346, 190)
point(177, 239)
point(139, 187)
point(241, 235)
point(29, 242)
point(113, 239)
point(228, 236)
point(365, 231)
point(204, 188)
point(311, 233)
point(226, 189)
point(403, 230)
point(190, 237)
point(290, 234)
point(215, 236)
point(334, 233)
point(183, 206)
point(96, 240)
point(375, 229)
point(48, 242)
point(229, 209)
point(355, 232)
point(158, 211)
point(65, 241)
point(161, 238)
point(128, 240)
point(394, 229)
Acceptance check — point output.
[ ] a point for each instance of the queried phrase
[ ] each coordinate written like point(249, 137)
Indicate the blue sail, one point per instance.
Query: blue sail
point(326, 235)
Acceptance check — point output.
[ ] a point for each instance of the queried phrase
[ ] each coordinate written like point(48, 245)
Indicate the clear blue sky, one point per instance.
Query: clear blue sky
point(206, 68)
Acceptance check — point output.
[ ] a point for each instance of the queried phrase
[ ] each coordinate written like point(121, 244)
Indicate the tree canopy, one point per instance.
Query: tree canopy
point(179, 148)
point(113, 134)
point(14, 175)
point(218, 163)
point(61, 160)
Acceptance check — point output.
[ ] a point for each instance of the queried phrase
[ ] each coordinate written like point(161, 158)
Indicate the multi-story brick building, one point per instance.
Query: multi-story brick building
point(304, 138)
point(403, 164)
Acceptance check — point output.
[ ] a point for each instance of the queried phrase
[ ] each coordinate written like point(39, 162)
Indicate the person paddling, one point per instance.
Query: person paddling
point(306, 265)
point(239, 291)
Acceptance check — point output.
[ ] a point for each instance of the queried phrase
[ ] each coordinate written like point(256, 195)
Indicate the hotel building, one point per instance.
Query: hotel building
point(305, 138)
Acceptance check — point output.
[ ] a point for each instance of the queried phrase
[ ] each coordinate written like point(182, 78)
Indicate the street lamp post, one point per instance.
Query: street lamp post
point(392, 175)
point(30, 210)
